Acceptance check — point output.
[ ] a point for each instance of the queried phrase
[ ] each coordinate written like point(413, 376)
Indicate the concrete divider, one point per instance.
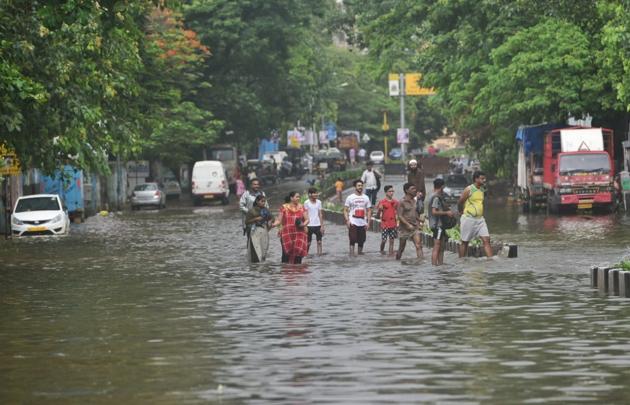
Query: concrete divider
point(509, 250)
point(602, 280)
point(594, 271)
point(624, 284)
point(615, 282)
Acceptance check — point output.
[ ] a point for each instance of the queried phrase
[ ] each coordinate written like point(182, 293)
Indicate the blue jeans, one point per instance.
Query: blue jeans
point(371, 194)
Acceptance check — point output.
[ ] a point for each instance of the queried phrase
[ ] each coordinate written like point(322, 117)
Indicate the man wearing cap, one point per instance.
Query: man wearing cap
point(415, 176)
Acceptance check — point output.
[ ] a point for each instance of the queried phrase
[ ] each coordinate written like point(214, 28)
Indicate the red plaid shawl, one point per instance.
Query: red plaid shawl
point(293, 239)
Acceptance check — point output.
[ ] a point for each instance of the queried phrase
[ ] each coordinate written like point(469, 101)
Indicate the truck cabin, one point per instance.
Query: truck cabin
point(591, 153)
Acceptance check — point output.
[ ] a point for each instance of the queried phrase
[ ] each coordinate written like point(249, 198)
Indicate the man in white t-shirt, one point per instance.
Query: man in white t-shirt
point(357, 212)
point(315, 219)
point(362, 154)
point(370, 181)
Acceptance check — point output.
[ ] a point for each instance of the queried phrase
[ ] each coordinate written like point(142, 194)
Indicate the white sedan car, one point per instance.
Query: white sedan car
point(39, 214)
point(377, 156)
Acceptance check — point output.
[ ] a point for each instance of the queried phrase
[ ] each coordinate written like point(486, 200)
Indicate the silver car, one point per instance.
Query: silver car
point(172, 188)
point(148, 195)
point(454, 186)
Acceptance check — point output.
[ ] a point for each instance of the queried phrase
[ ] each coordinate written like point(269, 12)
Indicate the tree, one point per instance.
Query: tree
point(615, 53)
point(68, 72)
point(176, 127)
point(498, 65)
point(264, 66)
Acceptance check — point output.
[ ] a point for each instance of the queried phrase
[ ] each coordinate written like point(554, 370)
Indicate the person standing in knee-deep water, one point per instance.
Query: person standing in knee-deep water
point(258, 221)
point(357, 212)
point(387, 211)
point(294, 221)
point(409, 220)
point(247, 199)
point(313, 207)
point(472, 223)
point(437, 210)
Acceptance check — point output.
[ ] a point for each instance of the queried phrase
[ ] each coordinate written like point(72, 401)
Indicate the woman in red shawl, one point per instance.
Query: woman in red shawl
point(294, 219)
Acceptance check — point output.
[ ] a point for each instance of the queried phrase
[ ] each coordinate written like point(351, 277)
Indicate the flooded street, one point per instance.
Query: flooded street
point(160, 307)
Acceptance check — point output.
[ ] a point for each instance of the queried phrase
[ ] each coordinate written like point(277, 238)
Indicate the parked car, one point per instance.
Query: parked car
point(454, 185)
point(395, 154)
point(148, 195)
point(209, 181)
point(40, 214)
point(377, 156)
point(172, 187)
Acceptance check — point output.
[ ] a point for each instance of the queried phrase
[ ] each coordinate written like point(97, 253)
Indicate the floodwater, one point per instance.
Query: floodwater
point(160, 307)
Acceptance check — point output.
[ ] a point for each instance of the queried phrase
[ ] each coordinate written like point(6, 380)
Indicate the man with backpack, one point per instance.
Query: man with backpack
point(440, 218)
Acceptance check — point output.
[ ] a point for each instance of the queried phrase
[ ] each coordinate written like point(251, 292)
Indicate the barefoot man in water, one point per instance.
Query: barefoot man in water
point(409, 221)
point(357, 212)
point(472, 223)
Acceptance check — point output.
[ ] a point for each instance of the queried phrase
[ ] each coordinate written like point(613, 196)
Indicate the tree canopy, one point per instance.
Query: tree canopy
point(86, 82)
point(499, 64)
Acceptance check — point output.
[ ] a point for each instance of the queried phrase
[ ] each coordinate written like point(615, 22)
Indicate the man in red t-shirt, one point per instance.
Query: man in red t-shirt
point(387, 210)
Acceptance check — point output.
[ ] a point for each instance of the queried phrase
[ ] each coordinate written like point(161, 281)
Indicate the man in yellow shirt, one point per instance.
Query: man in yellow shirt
point(472, 223)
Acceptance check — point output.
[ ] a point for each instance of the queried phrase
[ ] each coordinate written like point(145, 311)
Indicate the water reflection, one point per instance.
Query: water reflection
point(581, 228)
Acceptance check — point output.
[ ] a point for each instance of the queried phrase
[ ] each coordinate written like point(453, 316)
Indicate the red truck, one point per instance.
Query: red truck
point(566, 168)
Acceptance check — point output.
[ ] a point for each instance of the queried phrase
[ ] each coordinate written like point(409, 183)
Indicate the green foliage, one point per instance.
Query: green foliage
point(66, 72)
point(615, 52)
point(623, 264)
point(259, 52)
point(497, 65)
point(538, 75)
point(85, 81)
point(177, 128)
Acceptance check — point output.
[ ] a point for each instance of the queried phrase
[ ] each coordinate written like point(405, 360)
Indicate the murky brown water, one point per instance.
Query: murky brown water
point(149, 307)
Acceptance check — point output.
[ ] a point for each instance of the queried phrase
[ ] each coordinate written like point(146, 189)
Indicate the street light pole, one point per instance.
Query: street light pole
point(403, 146)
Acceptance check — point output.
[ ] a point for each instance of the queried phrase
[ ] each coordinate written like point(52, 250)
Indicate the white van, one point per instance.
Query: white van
point(209, 182)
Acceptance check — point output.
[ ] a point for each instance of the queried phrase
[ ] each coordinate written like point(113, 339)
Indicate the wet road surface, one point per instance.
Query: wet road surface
point(160, 307)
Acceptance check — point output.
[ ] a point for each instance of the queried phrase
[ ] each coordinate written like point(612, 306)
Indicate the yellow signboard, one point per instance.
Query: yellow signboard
point(9, 163)
point(413, 88)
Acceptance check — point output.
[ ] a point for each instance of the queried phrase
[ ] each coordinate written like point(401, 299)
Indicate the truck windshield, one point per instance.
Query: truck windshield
point(222, 155)
point(37, 204)
point(584, 163)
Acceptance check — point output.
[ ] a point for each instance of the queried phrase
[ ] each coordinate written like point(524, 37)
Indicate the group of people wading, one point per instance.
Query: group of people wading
point(403, 220)
point(297, 224)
